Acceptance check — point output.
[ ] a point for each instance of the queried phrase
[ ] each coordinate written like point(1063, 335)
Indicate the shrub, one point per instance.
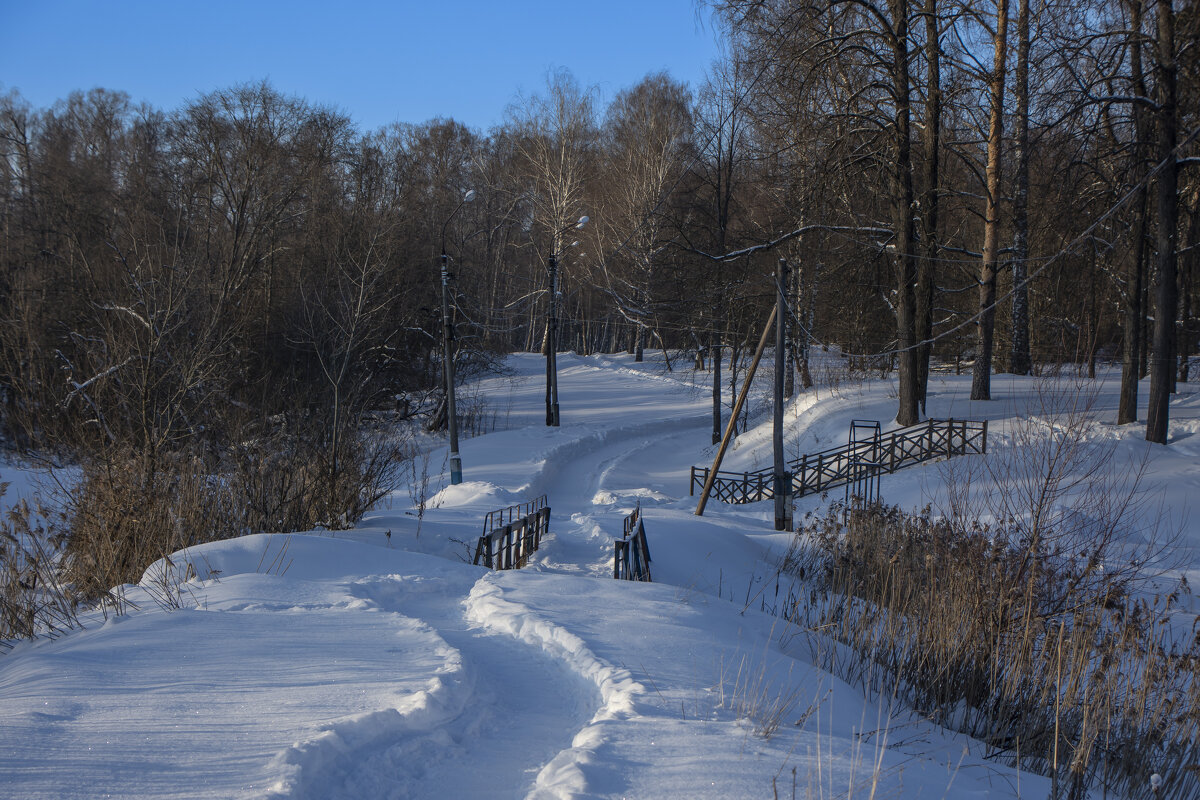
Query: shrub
point(125, 514)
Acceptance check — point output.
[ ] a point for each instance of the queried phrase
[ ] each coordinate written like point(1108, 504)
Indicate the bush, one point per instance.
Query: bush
point(125, 514)
point(293, 479)
point(127, 511)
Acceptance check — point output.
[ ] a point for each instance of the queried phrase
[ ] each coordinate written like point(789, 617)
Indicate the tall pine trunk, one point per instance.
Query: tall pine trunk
point(981, 378)
point(930, 198)
point(1132, 338)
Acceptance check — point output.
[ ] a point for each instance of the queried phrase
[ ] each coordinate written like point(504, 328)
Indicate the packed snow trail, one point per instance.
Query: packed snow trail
point(357, 672)
point(374, 663)
point(523, 707)
point(590, 494)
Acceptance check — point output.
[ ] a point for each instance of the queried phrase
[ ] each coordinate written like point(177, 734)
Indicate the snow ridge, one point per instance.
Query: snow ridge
point(563, 777)
point(305, 767)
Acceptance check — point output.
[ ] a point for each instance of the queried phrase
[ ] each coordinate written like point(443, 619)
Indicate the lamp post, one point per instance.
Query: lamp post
point(448, 354)
point(552, 329)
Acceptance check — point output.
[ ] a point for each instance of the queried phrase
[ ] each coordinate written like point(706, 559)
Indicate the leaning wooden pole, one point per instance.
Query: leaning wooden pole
point(737, 409)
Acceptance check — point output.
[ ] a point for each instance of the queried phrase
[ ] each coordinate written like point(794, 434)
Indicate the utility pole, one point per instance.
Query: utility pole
point(783, 483)
point(737, 409)
point(448, 365)
point(552, 326)
point(448, 350)
point(552, 347)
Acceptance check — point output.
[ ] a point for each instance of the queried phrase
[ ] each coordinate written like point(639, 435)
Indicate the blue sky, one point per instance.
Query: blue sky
point(380, 62)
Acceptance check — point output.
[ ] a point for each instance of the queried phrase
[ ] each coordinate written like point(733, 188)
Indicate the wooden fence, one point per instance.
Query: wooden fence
point(631, 553)
point(512, 534)
point(816, 472)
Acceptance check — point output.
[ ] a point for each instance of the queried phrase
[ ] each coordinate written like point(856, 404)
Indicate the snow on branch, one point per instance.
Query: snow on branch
point(787, 237)
point(77, 388)
point(130, 312)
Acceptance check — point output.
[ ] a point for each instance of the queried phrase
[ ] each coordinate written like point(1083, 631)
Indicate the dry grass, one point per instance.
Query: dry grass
point(122, 517)
point(33, 599)
point(128, 510)
point(1021, 614)
point(745, 688)
point(1054, 666)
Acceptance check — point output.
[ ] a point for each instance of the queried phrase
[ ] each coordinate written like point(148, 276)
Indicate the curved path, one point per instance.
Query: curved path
point(526, 697)
point(520, 707)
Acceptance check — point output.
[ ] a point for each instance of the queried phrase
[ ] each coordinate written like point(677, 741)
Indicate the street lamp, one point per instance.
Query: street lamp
point(447, 354)
point(552, 329)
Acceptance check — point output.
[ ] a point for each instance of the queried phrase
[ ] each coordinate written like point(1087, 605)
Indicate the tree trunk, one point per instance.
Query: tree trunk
point(1185, 339)
point(789, 331)
point(1019, 360)
point(981, 377)
point(715, 358)
point(931, 145)
point(1135, 318)
point(1187, 270)
point(810, 317)
point(782, 495)
point(1133, 338)
point(905, 230)
point(1162, 359)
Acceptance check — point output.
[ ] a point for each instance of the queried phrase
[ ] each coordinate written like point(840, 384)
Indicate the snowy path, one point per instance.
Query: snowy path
point(521, 707)
point(378, 665)
point(592, 491)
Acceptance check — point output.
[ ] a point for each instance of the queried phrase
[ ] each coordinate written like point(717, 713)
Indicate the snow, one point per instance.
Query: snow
point(377, 663)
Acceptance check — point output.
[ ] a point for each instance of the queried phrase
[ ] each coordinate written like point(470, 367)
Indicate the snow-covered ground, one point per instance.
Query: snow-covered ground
point(377, 663)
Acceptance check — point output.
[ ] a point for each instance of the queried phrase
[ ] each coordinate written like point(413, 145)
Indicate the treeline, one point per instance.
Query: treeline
point(1013, 188)
point(1032, 166)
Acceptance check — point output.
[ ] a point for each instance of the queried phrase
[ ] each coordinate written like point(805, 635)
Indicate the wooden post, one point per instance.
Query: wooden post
point(780, 491)
point(737, 407)
point(715, 355)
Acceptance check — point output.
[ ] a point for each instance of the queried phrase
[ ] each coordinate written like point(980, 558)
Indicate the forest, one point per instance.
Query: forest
point(249, 285)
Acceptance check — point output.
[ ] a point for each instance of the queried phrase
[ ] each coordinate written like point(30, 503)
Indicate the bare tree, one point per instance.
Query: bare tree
point(1019, 361)
point(648, 131)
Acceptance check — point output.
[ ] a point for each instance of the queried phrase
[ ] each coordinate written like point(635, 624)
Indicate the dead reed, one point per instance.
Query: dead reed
point(1054, 663)
point(33, 599)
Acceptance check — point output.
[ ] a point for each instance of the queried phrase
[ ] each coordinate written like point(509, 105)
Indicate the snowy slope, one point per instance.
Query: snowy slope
point(376, 663)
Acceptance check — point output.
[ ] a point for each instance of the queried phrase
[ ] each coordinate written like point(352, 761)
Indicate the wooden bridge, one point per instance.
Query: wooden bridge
point(631, 553)
point(840, 466)
point(512, 534)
